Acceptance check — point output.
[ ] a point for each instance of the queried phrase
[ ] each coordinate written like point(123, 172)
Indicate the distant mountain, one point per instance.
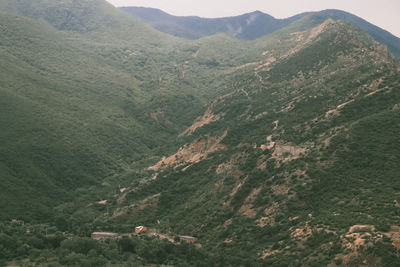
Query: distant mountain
point(249, 26)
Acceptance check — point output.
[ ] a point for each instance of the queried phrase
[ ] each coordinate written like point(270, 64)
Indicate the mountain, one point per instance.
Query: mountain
point(82, 103)
point(73, 112)
point(295, 164)
point(249, 26)
point(277, 151)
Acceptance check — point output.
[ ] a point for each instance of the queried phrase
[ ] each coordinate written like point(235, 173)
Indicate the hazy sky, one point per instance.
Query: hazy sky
point(383, 13)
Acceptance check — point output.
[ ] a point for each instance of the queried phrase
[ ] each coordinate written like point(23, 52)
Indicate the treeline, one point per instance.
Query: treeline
point(45, 245)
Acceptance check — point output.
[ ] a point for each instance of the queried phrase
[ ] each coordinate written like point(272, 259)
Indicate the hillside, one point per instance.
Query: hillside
point(73, 112)
point(289, 166)
point(277, 151)
point(70, 15)
point(79, 105)
point(249, 26)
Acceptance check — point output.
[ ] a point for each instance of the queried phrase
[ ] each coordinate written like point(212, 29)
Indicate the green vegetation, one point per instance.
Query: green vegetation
point(298, 161)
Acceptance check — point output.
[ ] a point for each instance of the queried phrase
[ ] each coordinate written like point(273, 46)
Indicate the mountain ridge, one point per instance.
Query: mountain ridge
point(277, 151)
point(250, 25)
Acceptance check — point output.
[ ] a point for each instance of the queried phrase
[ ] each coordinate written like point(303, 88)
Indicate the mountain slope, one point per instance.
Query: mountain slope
point(249, 26)
point(289, 165)
point(380, 35)
point(81, 104)
point(53, 101)
point(67, 14)
point(277, 151)
point(75, 111)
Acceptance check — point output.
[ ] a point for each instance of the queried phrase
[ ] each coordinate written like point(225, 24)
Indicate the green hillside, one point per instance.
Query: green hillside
point(71, 15)
point(273, 152)
point(71, 115)
point(301, 150)
point(78, 107)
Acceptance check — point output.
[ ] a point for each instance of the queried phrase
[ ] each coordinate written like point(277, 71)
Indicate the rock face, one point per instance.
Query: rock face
point(192, 153)
point(207, 118)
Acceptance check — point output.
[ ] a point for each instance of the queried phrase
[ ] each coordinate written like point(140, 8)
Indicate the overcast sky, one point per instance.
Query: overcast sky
point(383, 13)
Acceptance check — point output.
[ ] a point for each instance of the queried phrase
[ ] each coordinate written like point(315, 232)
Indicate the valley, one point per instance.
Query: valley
point(275, 151)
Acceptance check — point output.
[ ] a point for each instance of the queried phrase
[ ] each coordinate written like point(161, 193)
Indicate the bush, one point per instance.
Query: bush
point(79, 245)
point(125, 244)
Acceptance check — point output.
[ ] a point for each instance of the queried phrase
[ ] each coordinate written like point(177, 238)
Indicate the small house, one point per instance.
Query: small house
point(140, 229)
point(104, 235)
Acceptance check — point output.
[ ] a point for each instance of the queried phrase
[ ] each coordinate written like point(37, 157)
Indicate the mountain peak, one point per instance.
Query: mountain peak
point(258, 12)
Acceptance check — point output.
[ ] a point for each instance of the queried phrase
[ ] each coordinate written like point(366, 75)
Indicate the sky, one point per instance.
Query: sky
point(383, 13)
